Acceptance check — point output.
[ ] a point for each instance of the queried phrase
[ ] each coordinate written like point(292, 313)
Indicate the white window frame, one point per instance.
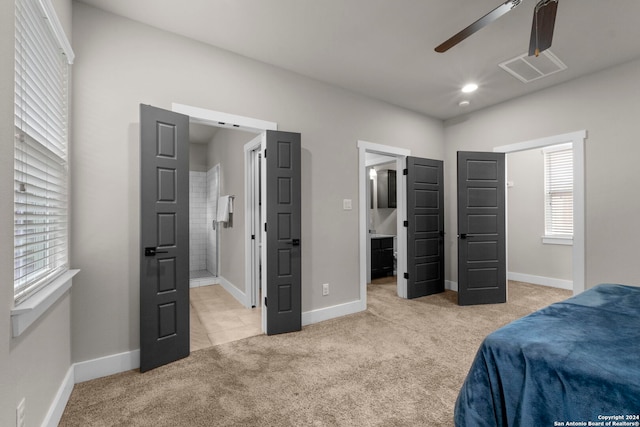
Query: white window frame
point(550, 237)
point(43, 56)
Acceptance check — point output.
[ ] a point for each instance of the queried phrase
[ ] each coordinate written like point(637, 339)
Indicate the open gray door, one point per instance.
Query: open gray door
point(164, 237)
point(482, 274)
point(284, 260)
point(425, 233)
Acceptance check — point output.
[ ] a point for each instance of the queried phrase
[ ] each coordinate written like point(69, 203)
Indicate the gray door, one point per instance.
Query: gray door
point(425, 222)
point(164, 237)
point(482, 274)
point(284, 266)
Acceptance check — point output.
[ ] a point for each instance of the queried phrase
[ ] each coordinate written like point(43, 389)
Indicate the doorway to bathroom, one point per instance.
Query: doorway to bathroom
point(382, 236)
point(218, 291)
point(402, 224)
point(164, 232)
point(382, 220)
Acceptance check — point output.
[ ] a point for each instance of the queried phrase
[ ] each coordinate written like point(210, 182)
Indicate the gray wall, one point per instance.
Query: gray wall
point(227, 149)
point(607, 105)
point(525, 222)
point(198, 157)
point(122, 63)
point(33, 365)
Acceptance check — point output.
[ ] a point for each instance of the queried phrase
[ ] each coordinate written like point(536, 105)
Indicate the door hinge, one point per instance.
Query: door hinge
point(405, 171)
point(265, 227)
point(406, 276)
point(265, 153)
point(405, 223)
point(253, 237)
point(265, 301)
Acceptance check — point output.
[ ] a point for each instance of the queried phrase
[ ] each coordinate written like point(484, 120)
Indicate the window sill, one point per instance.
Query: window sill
point(555, 240)
point(27, 312)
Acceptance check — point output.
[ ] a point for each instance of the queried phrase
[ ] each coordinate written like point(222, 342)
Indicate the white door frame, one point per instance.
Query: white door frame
point(400, 154)
point(259, 127)
point(577, 139)
point(252, 225)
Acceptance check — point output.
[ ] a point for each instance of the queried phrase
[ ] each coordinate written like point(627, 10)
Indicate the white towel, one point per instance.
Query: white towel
point(223, 209)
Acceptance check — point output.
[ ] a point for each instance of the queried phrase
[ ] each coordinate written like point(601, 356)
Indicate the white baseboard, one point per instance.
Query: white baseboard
point(235, 292)
point(60, 400)
point(108, 365)
point(326, 313)
point(450, 285)
point(541, 280)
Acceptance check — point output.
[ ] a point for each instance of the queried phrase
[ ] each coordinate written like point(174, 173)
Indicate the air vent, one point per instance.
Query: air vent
point(530, 68)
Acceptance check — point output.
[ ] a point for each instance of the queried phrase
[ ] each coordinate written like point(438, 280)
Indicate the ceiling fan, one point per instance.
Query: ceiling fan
point(544, 18)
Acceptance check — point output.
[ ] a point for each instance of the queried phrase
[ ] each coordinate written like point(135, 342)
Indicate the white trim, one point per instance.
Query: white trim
point(400, 155)
point(555, 240)
point(541, 280)
point(240, 296)
point(542, 142)
point(54, 414)
point(451, 285)
point(219, 119)
point(251, 263)
point(386, 150)
point(326, 313)
point(105, 366)
point(56, 28)
point(578, 140)
point(30, 310)
point(263, 231)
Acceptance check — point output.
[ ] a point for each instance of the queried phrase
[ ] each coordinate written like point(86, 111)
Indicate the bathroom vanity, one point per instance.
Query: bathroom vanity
point(382, 255)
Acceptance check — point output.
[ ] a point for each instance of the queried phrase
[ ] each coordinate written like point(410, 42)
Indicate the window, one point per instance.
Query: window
point(558, 183)
point(42, 58)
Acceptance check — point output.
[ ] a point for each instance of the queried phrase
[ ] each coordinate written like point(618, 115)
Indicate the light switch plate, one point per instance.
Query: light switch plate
point(347, 205)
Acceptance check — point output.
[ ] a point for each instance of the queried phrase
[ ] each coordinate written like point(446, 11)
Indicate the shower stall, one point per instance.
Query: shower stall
point(204, 191)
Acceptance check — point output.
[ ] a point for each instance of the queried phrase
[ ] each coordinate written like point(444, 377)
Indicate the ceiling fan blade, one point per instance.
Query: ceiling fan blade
point(544, 19)
point(478, 25)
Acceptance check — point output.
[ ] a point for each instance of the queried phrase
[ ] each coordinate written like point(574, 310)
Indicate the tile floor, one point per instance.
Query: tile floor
point(217, 317)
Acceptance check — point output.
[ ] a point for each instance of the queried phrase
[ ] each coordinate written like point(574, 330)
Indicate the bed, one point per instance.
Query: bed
point(576, 362)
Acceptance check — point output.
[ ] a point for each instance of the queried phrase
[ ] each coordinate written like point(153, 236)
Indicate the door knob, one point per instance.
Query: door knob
point(462, 235)
point(294, 242)
point(151, 251)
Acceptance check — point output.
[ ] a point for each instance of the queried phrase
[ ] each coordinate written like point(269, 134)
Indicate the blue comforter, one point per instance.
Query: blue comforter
point(574, 362)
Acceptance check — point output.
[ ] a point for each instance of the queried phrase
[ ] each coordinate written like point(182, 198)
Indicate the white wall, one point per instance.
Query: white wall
point(607, 105)
point(525, 221)
point(198, 157)
point(121, 63)
point(33, 365)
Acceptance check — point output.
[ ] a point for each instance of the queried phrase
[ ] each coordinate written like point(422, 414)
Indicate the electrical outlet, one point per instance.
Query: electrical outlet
point(20, 413)
point(325, 289)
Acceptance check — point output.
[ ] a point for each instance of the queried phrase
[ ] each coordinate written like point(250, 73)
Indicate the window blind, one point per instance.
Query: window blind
point(40, 160)
point(558, 172)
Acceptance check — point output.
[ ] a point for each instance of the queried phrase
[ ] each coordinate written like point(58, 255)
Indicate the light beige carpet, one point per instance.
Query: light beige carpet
point(400, 363)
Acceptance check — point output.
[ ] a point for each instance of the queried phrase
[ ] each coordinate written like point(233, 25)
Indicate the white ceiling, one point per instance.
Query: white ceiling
point(384, 48)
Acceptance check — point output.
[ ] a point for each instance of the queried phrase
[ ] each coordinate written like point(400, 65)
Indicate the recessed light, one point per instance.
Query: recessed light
point(468, 88)
point(463, 103)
